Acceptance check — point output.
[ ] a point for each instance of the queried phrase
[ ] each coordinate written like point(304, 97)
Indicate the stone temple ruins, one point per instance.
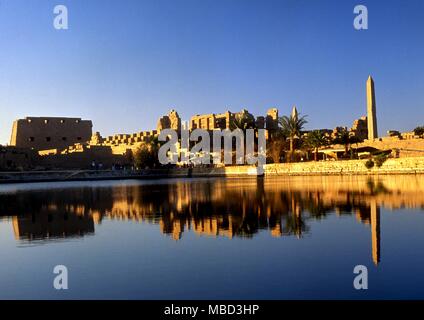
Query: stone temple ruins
point(69, 143)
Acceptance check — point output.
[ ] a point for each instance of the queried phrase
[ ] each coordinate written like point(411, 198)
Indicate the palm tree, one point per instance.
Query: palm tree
point(345, 138)
point(315, 140)
point(291, 127)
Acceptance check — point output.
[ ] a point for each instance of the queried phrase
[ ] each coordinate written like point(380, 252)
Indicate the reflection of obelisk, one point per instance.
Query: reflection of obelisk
point(375, 232)
point(371, 110)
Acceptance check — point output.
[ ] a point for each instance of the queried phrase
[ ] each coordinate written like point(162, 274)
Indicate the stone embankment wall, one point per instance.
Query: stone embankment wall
point(411, 165)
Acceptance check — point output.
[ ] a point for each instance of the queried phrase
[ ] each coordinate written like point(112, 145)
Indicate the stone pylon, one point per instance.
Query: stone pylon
point(371, 110)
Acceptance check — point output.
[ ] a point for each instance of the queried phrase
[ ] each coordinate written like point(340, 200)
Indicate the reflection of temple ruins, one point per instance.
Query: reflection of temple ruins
point(50, 224)
point(215, 208)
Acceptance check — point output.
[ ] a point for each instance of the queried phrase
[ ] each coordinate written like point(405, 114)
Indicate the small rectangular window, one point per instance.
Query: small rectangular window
point(31, 139)
point(64, 138)
point(48, 139)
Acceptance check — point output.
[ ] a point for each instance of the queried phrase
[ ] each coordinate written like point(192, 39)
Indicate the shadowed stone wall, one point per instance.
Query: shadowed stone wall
point(50, 133)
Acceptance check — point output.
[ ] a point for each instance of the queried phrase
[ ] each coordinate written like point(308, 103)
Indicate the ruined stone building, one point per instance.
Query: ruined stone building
point(68, 143)
point(170, 121)
point(41, 133)
point(60, 142)
point(120, 142)
point(212, 121)
point(226, 120)
point(272, 119)
point(360, 128)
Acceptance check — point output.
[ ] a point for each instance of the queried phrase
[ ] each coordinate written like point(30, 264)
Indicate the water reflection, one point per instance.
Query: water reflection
point(211, 207)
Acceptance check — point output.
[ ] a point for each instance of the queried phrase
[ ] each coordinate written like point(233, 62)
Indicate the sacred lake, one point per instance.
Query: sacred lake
point(214, 238)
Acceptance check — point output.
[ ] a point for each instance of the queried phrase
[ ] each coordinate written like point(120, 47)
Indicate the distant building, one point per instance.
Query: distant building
point(170, 121)
point(360, 128)
point(260, 122)
point(41, 133)
point(212, 121)
point(218, 121)
point(272, 119)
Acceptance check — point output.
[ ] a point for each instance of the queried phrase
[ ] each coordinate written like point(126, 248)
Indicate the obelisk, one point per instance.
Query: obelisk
point(371, 110)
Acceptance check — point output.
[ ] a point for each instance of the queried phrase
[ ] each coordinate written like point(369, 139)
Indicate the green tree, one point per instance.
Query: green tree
point(276, 145)
point(380, 158)
point(316, 139)
point(155, 144)
point(146, 156)
point(291, 127)
point(369, 164)
point(345, 138)
point(419, 131)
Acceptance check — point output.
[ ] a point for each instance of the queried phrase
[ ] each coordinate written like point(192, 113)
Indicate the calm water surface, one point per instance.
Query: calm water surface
point(272, 238)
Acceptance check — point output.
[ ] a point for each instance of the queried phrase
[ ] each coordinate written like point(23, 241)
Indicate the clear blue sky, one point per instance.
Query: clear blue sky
point(124, 63)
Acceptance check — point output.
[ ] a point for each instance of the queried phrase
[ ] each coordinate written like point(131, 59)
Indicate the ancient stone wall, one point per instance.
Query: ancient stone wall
point(83, 159)
point(272, 119)
point(218, 121)
point(210, 121)
point(12, 158)
point(360, 128)
point(170, 121)
point(411, 165)
point(128, 140)
point(49, 133)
